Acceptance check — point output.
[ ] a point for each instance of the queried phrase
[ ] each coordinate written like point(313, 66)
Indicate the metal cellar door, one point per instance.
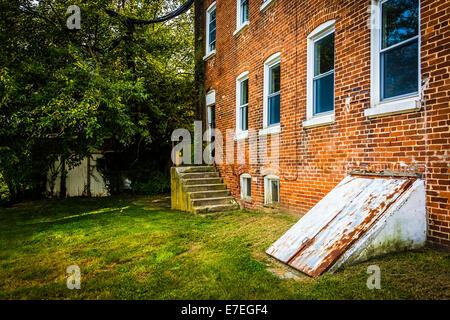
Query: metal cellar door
point(342, 217)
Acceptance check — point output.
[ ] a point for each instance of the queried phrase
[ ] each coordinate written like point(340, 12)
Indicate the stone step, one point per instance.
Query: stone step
point(199, 169)
point(200, 175)
point(209, 194)
point(217, 208)
point(211, 201)
point(205, 187)
point(189, 182)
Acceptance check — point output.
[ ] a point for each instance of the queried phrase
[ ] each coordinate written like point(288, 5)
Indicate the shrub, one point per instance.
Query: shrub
point(158, 183)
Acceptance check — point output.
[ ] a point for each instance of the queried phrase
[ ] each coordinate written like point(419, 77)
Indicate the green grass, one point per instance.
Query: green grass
point(136, 248)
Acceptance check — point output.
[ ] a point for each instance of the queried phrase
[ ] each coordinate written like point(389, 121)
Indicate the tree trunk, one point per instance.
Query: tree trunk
point(88, 178)
point(62, 188)
point(199, 98)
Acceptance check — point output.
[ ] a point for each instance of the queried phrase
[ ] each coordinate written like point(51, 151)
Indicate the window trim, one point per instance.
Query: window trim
point(272, 61)
point(240, 134)
point(209, 53)
point(266, 4)
point(395, 105)
point(325, 118)
point(267, 179)
point(242, 177)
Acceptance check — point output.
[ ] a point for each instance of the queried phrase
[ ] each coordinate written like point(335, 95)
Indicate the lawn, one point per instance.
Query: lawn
point(137, 248)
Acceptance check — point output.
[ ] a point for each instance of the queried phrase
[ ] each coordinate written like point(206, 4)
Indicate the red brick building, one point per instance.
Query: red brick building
point(344, 84)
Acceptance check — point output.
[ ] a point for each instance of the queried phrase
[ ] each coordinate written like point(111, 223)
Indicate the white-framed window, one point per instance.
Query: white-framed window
point(271, 189)
point(210, 113)
point(242, 15)
point(210, 31)
point(246, 186)
point(243, 12)
point(242, 105)
point(272, 93)
point(395, 57)
point(320, 76)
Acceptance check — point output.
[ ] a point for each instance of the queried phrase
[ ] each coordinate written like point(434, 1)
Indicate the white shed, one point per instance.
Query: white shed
point(77, 180)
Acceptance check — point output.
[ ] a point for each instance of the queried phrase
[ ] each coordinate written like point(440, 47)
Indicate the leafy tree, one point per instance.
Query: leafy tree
point(65, 94)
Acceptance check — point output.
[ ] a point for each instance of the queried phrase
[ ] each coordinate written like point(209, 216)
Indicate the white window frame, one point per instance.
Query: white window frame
point(210, 53)
point(243, 186)
point(266, 4)
point(268, 186)
point(325, 118)
point(210, 102)
point(268, 64)
point(396, 105)
point(240, 26)
point(240, 134)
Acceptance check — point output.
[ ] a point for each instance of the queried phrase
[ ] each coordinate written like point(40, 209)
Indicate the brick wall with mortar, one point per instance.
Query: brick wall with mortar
point(312, 161)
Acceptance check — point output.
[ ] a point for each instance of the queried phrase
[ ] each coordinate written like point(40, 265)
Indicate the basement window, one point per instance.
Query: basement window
point(395, 58)
point(271, 189)
point(246, 187)
point(210, 31)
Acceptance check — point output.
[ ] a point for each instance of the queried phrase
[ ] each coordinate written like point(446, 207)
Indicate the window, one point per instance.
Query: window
point(242, 104)
point(399, 50)
point(246, 186)
point(210, 30)
point(271, 189)
point(272, 87)
point(242, 16)
point(395, 64)
point(323, 80)
point(243, 11)
point(320, 76)
point(274, 95)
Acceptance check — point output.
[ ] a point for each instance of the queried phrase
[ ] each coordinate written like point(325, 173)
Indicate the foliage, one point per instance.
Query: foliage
point(66, 94)
point(157, 183)
point(4, 192)
point(137, 248)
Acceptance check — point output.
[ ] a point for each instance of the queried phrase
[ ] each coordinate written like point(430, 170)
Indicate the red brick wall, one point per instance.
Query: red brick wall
point(313, 161)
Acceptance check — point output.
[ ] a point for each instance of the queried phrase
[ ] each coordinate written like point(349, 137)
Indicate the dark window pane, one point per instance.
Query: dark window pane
point(400, 21)
point(275, 190)
point(400, 70)
point(244, 92)
point(244, 12)
point(274, 109)
point(324, 55)
point(249, 186)
point(274, 79)
point(244, 118)
point(324, 94)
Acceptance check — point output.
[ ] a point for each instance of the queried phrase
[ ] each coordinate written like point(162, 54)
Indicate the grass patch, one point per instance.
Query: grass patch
point(137, 248)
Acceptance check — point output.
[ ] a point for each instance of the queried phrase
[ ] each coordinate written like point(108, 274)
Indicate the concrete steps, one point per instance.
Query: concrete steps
point(205, 187)
point(200, 190)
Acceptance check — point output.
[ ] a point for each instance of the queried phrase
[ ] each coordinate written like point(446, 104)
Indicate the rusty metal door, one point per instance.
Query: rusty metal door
point(317, 241)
